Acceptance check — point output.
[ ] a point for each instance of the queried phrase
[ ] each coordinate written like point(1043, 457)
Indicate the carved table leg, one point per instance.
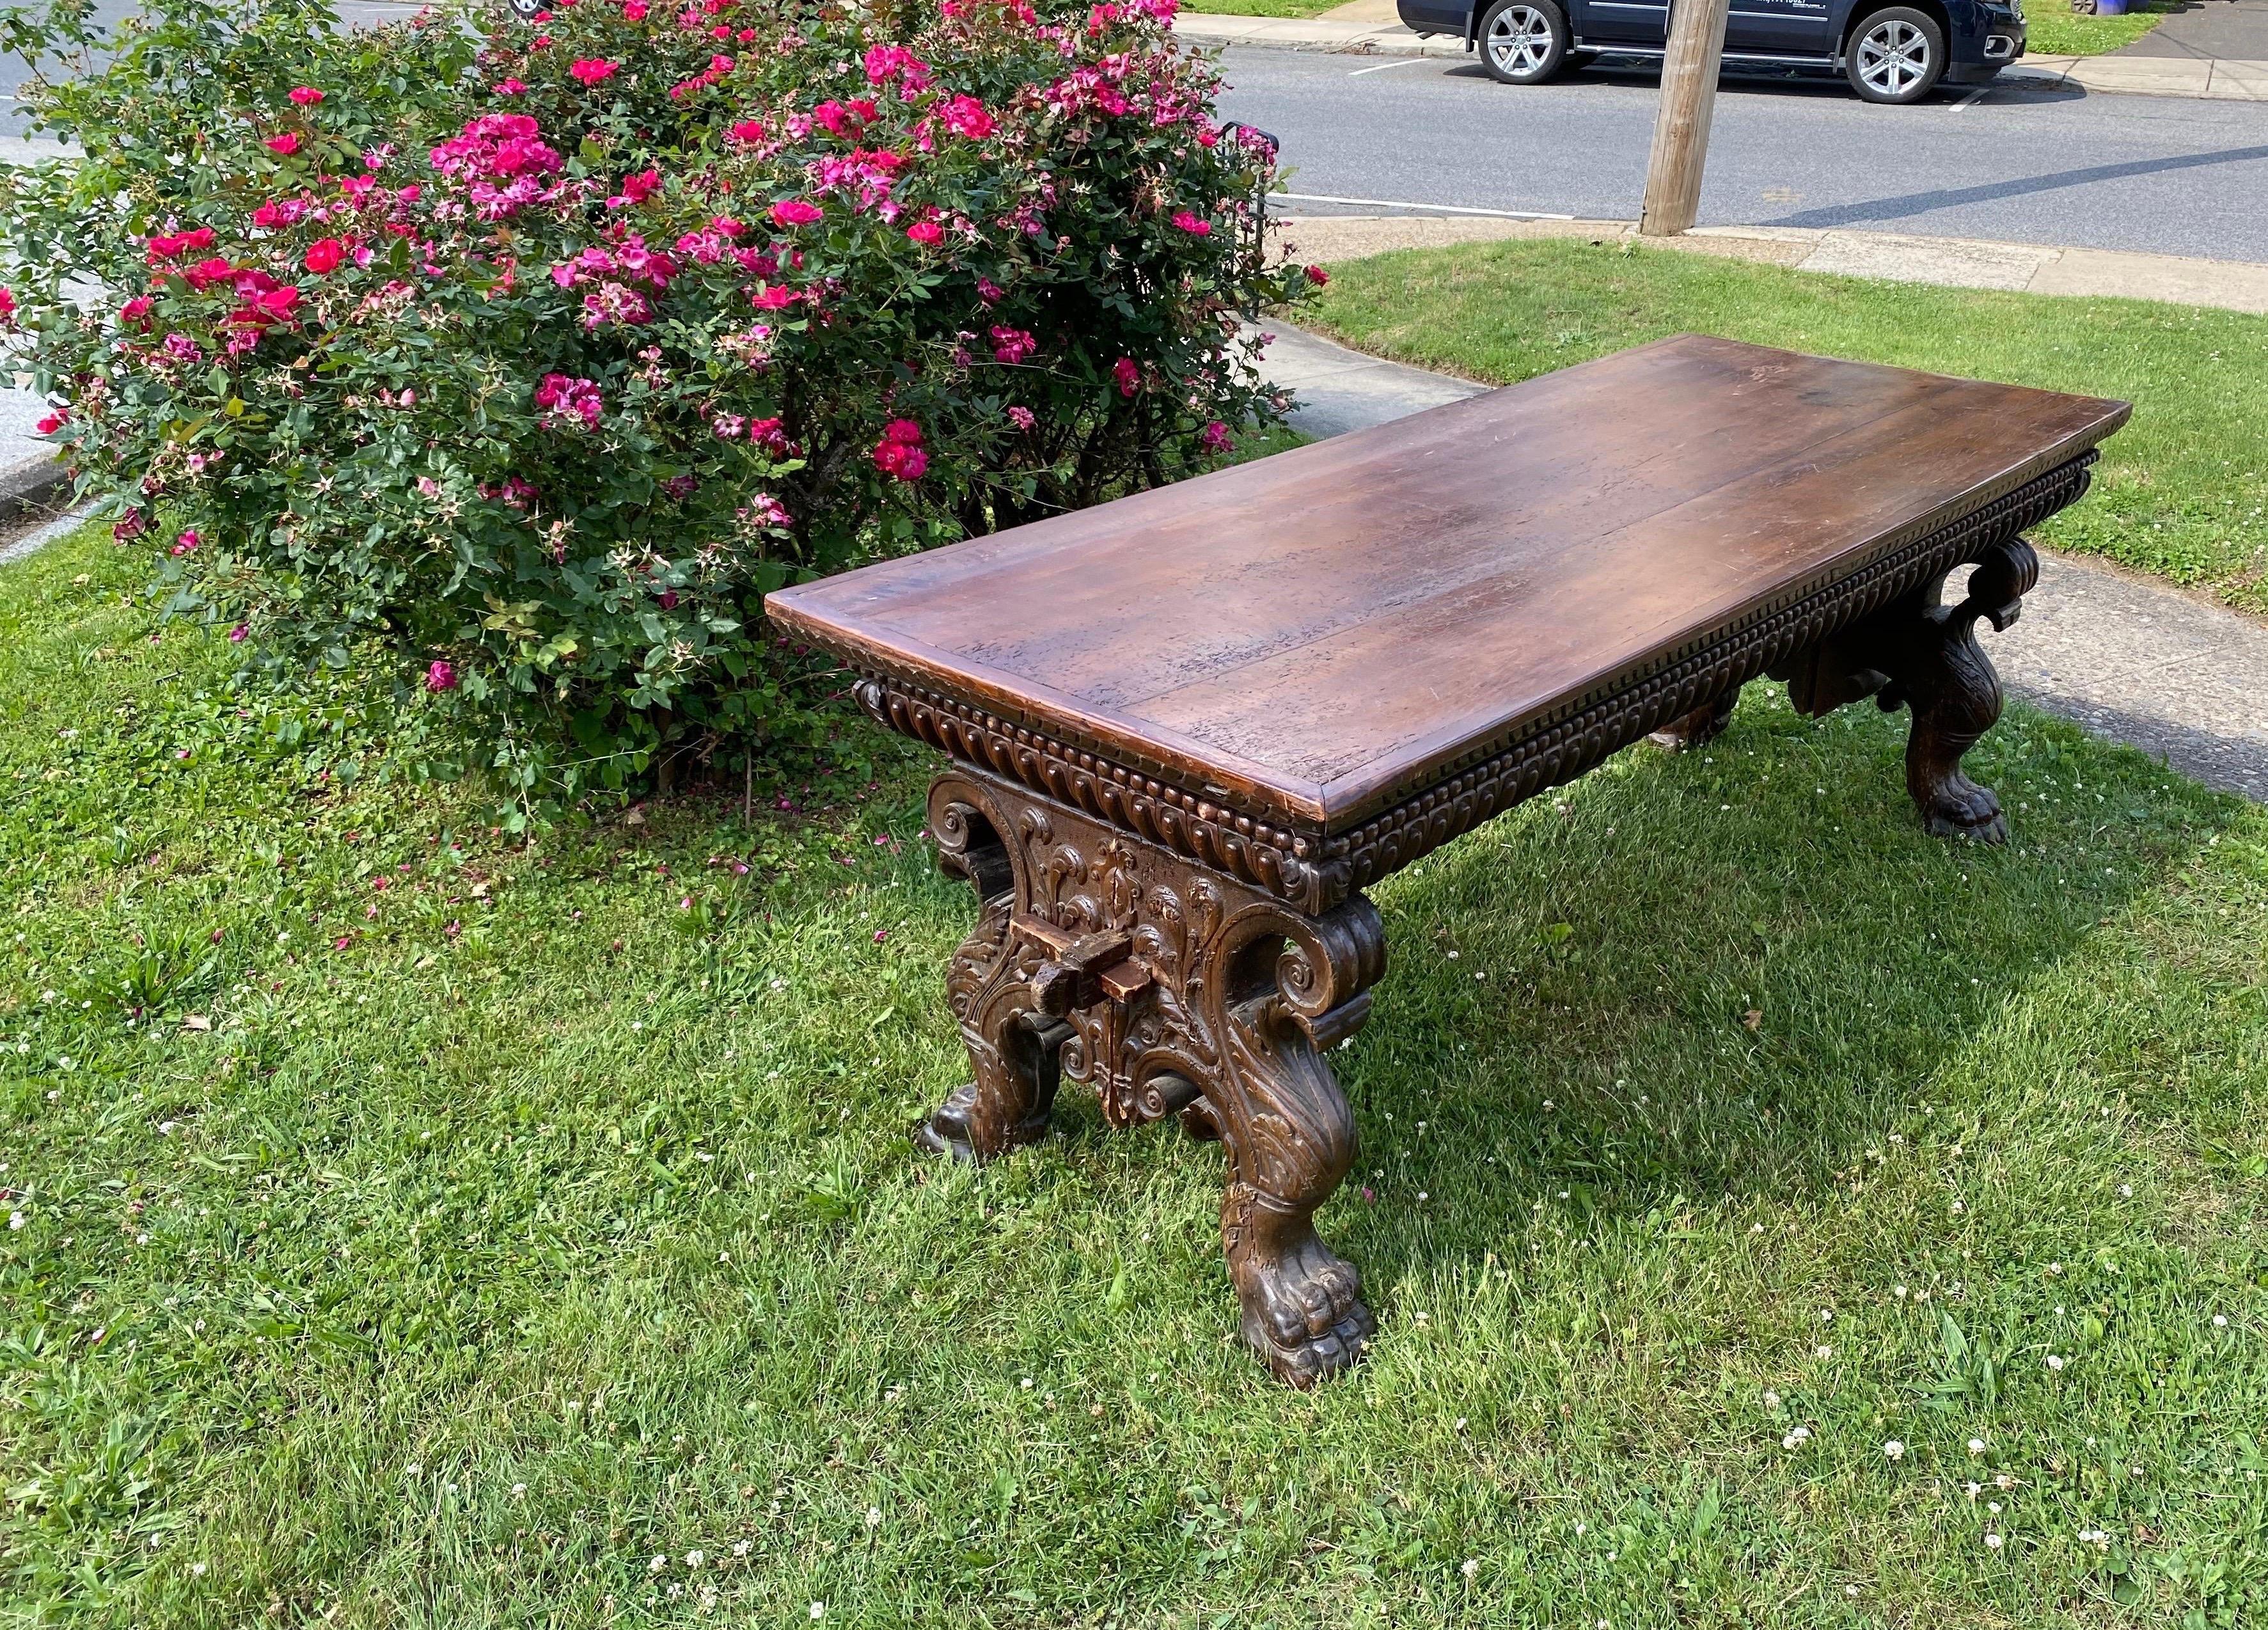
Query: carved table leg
point(1919, 651)
point(1170, 988)
point(1291, 1140)
point(1938, 668)
point(1012, 1047)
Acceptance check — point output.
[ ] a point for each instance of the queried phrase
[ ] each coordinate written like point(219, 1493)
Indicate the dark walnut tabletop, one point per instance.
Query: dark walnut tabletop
point(1311, 636)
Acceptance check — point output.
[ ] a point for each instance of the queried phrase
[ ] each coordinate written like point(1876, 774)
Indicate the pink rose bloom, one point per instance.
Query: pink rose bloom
point(593, 69)
point(926, 233)
point(8, 309)
point(634, 10)
point(1127, 374)
point(1317, 276)
point(965, 117)
point(746, 132)
point(886, 62)
point(441, 676)
point(1022, 418)
point(236, 635)
point(1195, 226)
point(286, 144)
point(305, 95)
point(795, 212)
point(1011, 345)
point(187, 543)
point(511, 87)
point(1214, 438)
point(324, 255)
point(567, 402)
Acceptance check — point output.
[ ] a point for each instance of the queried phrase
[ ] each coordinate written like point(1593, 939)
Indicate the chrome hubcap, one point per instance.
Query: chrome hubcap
point(1892, 57)
point(1520, 40)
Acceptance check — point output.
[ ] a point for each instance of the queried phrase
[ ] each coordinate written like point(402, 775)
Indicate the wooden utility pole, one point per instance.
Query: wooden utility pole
point(1680, 130)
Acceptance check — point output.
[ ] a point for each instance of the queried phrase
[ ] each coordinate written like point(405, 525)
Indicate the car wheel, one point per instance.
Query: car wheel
point(524, 8)
point(1524, 42)
point(1896, 56)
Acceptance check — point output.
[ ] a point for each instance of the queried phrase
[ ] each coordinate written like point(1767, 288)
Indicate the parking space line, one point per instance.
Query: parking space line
point(1381, 68)
point(1428, 209)
point(1971, 96)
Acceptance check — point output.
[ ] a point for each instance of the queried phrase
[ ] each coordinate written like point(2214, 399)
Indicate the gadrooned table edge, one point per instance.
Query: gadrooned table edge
point(1314, 866)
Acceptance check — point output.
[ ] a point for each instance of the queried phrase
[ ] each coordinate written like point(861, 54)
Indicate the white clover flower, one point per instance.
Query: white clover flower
point(1976, 1446)
point(1894, 1450)
point(1993, 1542)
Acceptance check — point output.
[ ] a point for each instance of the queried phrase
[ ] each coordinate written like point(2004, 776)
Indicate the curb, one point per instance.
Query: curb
point(41, 485)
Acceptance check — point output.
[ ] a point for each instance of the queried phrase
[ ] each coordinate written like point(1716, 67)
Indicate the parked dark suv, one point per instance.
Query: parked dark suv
point(1891, 53)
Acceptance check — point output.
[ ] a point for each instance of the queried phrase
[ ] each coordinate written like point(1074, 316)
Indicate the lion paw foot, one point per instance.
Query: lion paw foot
point(957, 1129)
point(1961, 808)
point(1304, 1314)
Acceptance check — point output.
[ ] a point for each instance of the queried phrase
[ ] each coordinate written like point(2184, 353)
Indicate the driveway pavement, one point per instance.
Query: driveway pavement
point(2220, 30)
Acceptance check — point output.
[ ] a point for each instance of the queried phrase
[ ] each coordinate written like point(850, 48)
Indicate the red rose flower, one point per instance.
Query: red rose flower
point(286, 144)
point(900, 454)
point(305, 95)
point(324, 255)
point(593, 70)
point(795, 212)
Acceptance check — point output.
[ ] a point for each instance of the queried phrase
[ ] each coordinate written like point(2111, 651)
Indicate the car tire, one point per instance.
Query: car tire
point(1895, 55)
point(1524, 42)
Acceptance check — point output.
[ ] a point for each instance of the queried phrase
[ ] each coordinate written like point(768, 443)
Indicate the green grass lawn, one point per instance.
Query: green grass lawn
point(2183, 491)
point(535, 1240)
point(1264, 8)
point(2055, 31)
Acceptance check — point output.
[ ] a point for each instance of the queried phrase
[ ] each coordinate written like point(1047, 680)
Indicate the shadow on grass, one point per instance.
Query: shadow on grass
point(1719, 975)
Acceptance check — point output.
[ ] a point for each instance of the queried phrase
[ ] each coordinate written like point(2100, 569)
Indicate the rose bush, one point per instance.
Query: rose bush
point(515, 368)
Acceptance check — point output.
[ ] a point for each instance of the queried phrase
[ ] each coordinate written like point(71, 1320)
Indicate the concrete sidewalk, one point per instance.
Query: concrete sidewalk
point(1894, 257)
point(2127, 658)
point(2219, 79)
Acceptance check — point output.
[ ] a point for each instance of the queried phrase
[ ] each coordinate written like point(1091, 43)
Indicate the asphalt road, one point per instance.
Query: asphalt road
point(2165, 175)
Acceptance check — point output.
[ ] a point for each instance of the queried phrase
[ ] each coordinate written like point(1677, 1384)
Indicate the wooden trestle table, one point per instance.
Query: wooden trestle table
point(1187, 729)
